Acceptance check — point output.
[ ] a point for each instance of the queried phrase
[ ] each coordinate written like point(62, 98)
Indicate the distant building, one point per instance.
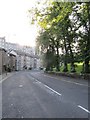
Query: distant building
point(25, 57)
point(24, 61)
point(12, 60)
point(2, 42)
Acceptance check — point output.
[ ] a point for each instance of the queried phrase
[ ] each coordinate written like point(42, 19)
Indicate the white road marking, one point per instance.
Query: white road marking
point(20, 85)
point(48, 87)
point(68, 81)
point(52, 90)
point(38, 82)
point(11, 104)
point(84, 109)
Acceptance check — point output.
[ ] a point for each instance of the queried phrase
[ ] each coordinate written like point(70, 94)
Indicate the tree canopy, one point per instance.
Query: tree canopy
point(64, 35)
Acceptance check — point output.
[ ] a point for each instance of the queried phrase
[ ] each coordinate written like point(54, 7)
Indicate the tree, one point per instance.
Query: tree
point(82, 14)
point(61, 24)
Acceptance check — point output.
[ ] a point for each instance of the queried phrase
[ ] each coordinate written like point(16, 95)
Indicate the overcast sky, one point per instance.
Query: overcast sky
point(15, 23)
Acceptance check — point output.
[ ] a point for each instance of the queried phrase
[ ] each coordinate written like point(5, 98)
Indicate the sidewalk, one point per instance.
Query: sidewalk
point(72, 75)
point(4, 76)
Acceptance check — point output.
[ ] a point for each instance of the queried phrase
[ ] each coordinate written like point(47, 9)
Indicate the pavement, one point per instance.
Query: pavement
point(5, 76)
point(34, 94)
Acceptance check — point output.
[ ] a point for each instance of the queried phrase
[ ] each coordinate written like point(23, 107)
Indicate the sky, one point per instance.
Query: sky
point(15, 22)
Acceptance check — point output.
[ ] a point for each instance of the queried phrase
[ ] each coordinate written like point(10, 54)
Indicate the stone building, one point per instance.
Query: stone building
point(24, 60)
point(25, 57)
point(3, 60)
point(2, 42)
point(12, 56)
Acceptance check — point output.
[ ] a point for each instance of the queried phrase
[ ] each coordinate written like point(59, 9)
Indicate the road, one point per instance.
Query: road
point(34, 94)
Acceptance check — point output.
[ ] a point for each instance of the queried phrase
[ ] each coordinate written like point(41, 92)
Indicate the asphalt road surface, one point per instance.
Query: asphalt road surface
point(34, 94)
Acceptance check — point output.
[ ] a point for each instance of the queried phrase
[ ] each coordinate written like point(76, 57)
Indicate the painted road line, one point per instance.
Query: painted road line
point(20, 86)
point(52, 90)
point(68, 81)
point(84, 109)
point(37, 82)
point(48, 87)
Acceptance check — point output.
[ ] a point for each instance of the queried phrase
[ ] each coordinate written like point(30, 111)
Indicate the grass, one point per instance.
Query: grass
point(78, 67)
point(62, 67)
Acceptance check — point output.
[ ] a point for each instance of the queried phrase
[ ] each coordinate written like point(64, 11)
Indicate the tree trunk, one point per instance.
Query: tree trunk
point(57, 57)
point(65, 58)
point(72, 59)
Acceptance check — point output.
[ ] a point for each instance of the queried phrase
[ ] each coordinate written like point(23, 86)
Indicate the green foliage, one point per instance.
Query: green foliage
point(78, 68)
point(65, 26)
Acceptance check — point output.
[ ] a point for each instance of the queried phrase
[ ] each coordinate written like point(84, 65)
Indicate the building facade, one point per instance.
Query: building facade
point(12, 60)
point(2, 42)
point(24, 58)
point(3, 60)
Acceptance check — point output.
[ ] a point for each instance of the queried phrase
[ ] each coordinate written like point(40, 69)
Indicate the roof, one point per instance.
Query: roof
point(13, 53)
point(25, 54)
